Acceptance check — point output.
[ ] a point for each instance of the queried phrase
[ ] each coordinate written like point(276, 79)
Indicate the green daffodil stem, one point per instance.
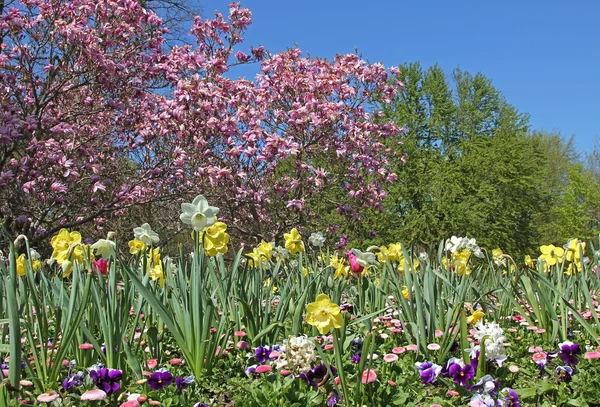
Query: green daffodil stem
point(337, 345)
point(464, 343)
point(14, 370)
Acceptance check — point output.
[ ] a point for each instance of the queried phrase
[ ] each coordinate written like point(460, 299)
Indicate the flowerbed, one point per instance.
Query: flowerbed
point(297, 324)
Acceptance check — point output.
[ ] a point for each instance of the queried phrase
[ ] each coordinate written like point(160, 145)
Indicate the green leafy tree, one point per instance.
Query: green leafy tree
point(473, 168)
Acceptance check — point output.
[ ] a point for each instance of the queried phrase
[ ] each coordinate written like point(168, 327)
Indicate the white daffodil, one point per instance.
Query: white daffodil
point(365, 259)
point(317, 239)
point(199, 213)
point(104, 248)
point(146, 234)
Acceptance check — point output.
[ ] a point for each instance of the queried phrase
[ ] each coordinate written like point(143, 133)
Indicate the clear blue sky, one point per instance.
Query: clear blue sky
point(543, 55)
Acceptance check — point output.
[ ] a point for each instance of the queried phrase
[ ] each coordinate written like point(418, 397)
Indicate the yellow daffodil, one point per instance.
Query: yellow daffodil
point(62, 242)
point(475, 317)
point(574, 268)
point(405, 265)
point(552, 254)
point(266, 250)
point(339, 266)
point(268, 284)
point(293, 242)
point(393, 253)
point(575, 250)
point(253, 258)
point(21, 267)
point(529, 262)
point(324, 314)
point(136, 246)
point(156, 273)
point(215, 239)
point(405, 292)
point(154, 257)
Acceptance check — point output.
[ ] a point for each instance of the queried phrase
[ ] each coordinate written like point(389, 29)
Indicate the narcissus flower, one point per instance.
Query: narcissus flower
point(529, 262)
point(136, 246)
point(575, 250)
point(215, 239)
point(156, 273)
point(324, 314)
point(498, 257)
point(293, 242)
point(475, 317)
point(551, 254)
point(339, 266)
point(104, 248)
point(62, 242)
point(146, 234)
point(317, 239)
point(199, 214)
point(21, 269)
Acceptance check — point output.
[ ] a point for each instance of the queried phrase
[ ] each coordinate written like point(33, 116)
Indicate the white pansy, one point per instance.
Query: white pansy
point(104, 248)
point(146, 234)
point(317, 239)
point(199, 214)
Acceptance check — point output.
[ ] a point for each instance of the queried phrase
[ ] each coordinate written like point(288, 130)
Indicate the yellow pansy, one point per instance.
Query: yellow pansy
point(293, 242)
point(324, 314)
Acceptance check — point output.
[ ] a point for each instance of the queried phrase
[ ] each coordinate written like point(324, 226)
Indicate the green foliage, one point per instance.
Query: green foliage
point(474, 168)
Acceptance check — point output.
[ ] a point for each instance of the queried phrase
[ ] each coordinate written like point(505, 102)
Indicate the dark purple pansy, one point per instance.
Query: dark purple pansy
point(107, 379)
point(182, 383)
point(71, 381)
point(568, 353)
point(510, 398)
point(160, 379)
point(461, 374)
point(333, 400)
point(262, 354)
point(565, 373)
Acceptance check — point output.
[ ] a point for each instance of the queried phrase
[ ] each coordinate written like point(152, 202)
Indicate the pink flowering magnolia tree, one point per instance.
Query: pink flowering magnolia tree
point(97, 115)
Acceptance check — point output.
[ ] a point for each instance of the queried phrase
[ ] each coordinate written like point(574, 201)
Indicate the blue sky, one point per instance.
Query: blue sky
point(543, 55)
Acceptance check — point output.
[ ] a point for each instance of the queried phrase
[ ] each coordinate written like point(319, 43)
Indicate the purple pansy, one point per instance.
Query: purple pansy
point(565, 373)
point(333, 400)
point(461, 373)
point(568, 353)
point(429, 371)
point(160, 379)
point(107, 379)
point(181, 383)
point(510, 398)
point(71, 381)
point(262, 354)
